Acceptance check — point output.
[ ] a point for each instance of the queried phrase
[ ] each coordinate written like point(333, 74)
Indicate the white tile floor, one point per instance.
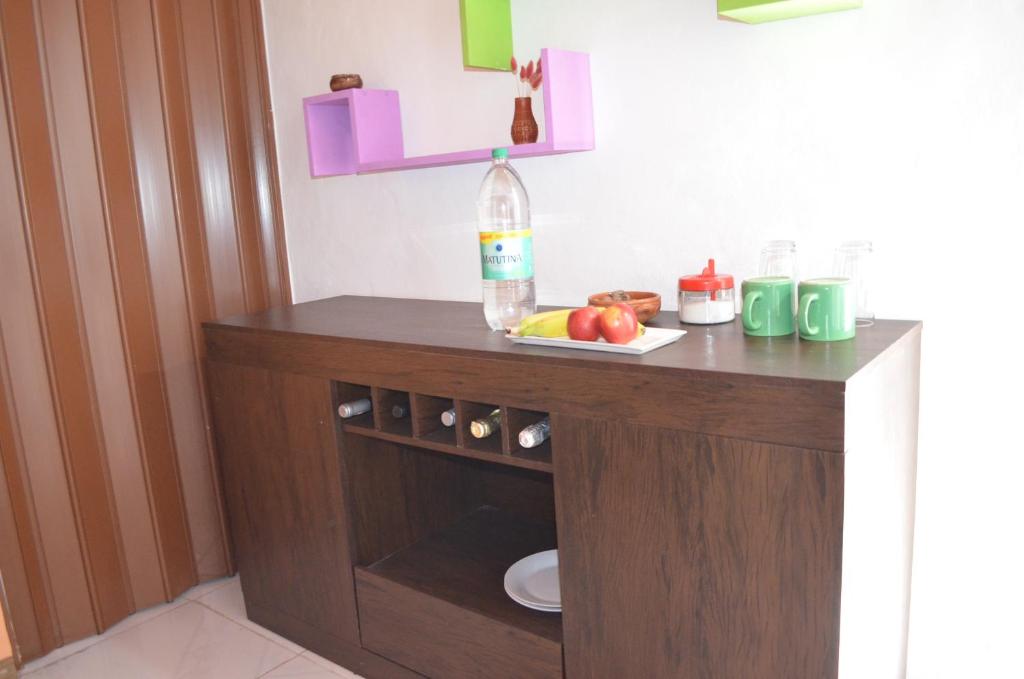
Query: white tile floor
point(203, 634)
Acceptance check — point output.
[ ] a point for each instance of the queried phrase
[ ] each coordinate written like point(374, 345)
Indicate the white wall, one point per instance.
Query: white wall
point(902, 123)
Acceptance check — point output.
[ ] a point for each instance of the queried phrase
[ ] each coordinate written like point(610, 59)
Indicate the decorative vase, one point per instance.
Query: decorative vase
point(524, 125)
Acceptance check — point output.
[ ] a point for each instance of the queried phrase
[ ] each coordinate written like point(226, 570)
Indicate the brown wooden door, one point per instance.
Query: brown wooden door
point(275, 433)
point(138, 198)
point(693, 556)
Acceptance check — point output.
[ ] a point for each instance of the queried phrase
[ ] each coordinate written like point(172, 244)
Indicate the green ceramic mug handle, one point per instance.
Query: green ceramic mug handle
point(803, 314)
point(748, 311)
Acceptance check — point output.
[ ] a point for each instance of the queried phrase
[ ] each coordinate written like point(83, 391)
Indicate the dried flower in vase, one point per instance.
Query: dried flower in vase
point(529, 78)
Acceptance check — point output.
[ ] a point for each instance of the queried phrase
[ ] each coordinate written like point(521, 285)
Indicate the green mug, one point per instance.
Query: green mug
point(768, 306)
point(828, 310)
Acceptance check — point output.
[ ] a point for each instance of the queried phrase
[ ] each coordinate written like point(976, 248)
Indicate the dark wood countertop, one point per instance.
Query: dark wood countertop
point(458, 328)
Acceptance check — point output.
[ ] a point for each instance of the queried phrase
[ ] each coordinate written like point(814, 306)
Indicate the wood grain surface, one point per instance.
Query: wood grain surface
point(698, 496)
point(442, 441)
point(398, 494)
point(431, 562)
point(426, 417)
point(276, 437)
point(383, 419)
point(465, 562)
point(715, 380)
point(782, 411)
point(458, 328)
point(686, 556)
point(514, 421)
point(445, 641)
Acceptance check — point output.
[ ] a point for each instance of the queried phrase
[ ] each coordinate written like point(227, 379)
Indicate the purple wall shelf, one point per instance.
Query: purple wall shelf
point(360, 131)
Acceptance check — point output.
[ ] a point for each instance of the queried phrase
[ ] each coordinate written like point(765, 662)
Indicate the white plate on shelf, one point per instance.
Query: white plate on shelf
point(553, 608)
point(542, 609)
point(533, 582)
point(652, 339)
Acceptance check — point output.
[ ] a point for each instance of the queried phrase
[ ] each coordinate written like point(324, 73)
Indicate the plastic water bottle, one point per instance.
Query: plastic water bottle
point(506, 245)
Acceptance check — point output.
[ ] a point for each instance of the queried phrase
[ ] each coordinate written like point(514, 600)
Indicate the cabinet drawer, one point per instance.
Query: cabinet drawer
point(443, 640)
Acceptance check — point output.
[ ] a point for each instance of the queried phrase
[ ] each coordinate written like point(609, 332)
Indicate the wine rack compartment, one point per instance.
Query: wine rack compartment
point(345, 394)
point(468, 412)
point(392, 411)
point(422, 420)
point(515, 420)
point(430, 421)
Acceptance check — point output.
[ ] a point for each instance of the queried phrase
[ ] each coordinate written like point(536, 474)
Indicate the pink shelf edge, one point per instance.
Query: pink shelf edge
point(463, 157)
point(568, 115)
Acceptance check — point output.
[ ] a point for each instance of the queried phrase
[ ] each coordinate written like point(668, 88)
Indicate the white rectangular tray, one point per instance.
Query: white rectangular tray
point(651, 340)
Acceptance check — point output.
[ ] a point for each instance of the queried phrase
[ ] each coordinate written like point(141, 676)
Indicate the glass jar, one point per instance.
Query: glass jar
point(707, 298)
point(853, 261)
point(778, 258)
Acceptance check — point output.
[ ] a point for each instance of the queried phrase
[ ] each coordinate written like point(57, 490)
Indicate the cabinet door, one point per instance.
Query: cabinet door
point(276, 441)
point(692, 556)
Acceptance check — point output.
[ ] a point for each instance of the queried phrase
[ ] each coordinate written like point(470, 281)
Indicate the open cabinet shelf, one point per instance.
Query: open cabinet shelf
point(464, 564)
point(433, 536)
point(359, 131)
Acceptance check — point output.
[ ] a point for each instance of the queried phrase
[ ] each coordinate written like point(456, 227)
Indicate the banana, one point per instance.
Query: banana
point(552, 324)
point(544, 324)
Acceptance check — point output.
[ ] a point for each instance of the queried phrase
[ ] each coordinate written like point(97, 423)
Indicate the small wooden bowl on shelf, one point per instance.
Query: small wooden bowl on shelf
point(345, 81)
point(645, 304)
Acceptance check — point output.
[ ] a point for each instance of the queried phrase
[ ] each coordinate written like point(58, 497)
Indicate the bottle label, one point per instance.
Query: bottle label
point(506, 255)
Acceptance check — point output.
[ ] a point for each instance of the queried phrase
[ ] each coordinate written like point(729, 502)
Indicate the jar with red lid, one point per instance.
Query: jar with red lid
point(707, 298)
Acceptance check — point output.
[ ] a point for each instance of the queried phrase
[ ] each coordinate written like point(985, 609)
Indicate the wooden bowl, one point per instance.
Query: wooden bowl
point(345, 81)
point(645, 304)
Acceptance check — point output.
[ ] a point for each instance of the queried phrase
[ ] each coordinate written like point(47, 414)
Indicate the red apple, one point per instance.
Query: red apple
point(619, 324)
point(585, 324)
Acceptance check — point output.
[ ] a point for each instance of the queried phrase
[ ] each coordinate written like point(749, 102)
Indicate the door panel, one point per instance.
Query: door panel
point(693, 556)
point(276, 438)
point(138, 198)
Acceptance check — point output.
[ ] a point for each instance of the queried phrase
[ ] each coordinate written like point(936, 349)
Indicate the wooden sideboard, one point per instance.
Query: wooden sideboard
point(723, 507)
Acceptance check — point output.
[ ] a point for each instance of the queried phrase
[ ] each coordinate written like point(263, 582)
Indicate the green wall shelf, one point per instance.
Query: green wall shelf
point(486, 33)
point(760, 11)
